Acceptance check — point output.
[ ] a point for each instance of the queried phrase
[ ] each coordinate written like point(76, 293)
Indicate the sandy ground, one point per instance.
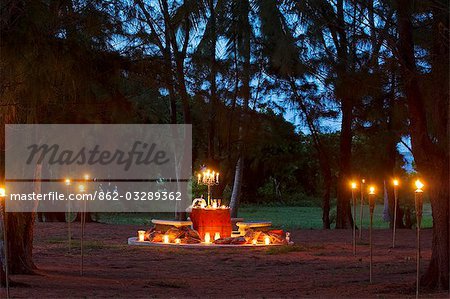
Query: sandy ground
point(322, 266)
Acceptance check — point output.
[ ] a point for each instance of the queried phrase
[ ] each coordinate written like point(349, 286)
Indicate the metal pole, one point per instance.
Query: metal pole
point(361, 209)
point(69, 233)
point(5, 245)
point(395, 215)
point(354, 221)
point(83, 221)
point(371, 209)
point(209, 194)
point(418, 199)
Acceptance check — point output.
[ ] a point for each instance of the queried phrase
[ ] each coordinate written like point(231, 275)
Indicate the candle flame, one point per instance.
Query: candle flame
point(141, 235)
point(67, 182)
point(177, 241)
point(254, 241)
point(267, 240)
point(166, 239)
point(2, 192)
point(363, 181)
point(86, 177)
point(216, 236)
point(419, 186)
point(396, 182)
point(372, 190)
point(353, 184)
point(207, 238)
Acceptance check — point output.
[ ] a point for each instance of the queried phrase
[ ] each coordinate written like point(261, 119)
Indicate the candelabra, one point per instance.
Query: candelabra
point(208, 178)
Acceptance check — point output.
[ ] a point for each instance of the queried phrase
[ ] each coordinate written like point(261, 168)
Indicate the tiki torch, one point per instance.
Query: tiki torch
point(353, 185)
point(5, 237)
point(363, 181)
point(418, 201)
point(67, 182)
point(372, 207)
point(396, 183)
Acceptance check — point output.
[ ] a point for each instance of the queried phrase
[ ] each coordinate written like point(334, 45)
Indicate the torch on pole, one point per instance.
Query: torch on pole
point(395, 211)
point(363, 181)
point(353, 185)
point(418, 202)
point(5, 237)
point(371, 208)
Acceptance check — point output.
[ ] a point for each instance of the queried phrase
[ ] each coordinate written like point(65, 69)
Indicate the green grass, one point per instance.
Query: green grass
point(311, 217)
point(283, 217)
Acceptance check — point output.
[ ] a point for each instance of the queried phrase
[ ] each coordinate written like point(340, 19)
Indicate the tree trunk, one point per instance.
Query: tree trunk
point(343, 211)
point(213, 98)
point(432, 158)
point(235, 195)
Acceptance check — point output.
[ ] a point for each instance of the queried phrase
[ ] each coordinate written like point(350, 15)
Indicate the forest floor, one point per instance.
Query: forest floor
point(320, 265)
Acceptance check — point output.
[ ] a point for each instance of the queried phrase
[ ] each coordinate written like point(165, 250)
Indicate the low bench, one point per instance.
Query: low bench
point(164, 225)
point(257, 225)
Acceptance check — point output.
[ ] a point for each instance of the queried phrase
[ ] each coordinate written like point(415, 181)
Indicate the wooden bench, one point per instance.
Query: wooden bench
point(256, 225)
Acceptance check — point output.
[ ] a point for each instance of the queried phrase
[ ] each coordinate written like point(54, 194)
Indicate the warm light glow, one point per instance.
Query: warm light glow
point(419, 186)
point(81, 188)
point(216, 236)
point(214, 205)
point(2, 192)
point(207, 238)
point(254, 241)
point(267, 240)
point(177, 241)
point(372, 190)
point(166, 239)
point(363, 181)
point(141, 235)
point(86, 177)
point(396, 182)
point(353, 184)
point(67, 182)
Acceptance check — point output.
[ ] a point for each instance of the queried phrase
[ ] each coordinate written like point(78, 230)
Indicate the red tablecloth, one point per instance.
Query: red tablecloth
point(212, 221)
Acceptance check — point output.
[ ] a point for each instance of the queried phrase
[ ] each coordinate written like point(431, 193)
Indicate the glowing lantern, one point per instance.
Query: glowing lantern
point(177, 241)
point(267, 240)
point(141, 235)
point(166, 239)
point(216, 236)
point(254, 241)
point(419, 186)
point(207, 238)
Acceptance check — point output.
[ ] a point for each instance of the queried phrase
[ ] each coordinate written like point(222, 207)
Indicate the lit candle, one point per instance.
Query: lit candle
point(67, 182)
point(214, 205)
point(177, 241)
point(254, 241)
point(166, 239)
point(199, 176)
point(217, 178)
point(207, 238)
point(216, 236)
point(267, 240)
point(141, 235)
